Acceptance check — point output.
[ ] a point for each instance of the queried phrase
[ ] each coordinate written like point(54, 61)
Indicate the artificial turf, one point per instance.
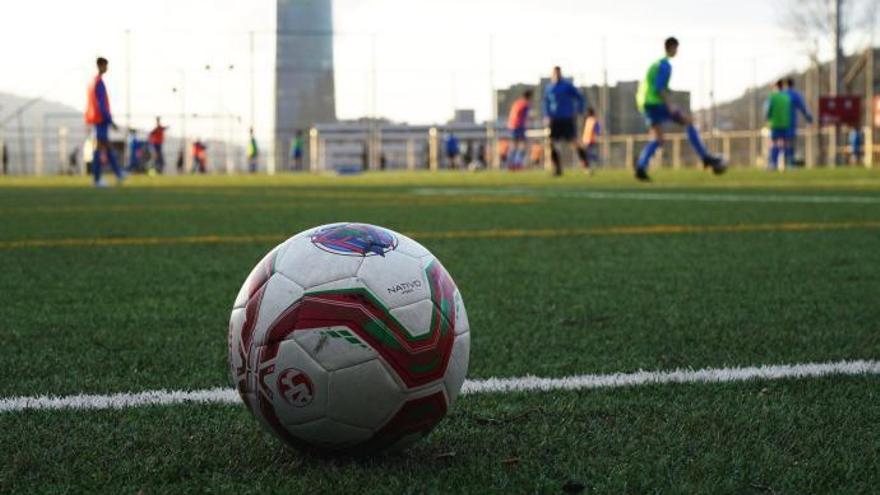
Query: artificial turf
point(108, 318)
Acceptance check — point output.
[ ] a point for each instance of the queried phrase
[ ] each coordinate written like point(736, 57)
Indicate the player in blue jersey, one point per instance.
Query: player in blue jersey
point(653, 99)
point(562, 105)
point(798, 105)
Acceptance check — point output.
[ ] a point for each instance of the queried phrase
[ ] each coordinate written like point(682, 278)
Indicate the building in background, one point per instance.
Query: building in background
point(304, 89)
point(463, 116)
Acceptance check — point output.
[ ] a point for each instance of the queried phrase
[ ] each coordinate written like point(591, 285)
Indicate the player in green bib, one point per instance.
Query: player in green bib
point(777, 109)
point(652, 99)
point(253, 152)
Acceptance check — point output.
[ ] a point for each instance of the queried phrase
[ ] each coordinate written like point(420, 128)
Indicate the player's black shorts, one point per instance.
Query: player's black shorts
point(562, 129)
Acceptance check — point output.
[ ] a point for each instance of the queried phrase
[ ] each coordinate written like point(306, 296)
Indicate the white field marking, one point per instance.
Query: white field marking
point(656, 196)
point(482, 386)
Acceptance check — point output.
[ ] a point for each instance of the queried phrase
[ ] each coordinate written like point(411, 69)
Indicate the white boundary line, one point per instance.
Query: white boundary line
point(655, 196)
point(484, 386)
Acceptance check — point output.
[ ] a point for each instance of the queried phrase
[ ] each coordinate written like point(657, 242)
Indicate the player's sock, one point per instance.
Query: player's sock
point(96, 165)
point(114, 164)
point(554, 158)
point(647, 153)
point(582, 154)
point(696, 142)
point(774, 157)
point(789, 157)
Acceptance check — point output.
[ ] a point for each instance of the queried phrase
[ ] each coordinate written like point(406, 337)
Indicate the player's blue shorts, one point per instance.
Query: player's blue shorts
point(518, 134)
point(659, 115)
point(792, 132)
point(297, 153)
point(102, 132)
point(777, 134)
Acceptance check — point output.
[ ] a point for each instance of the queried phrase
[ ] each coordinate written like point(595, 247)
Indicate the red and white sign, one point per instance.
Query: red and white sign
point(837, 110)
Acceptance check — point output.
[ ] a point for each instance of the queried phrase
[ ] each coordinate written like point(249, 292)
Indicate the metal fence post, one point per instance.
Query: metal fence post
point(410, 154)
point(676, 153)
point(433, 149)
point(753, 147)
point(630, 145)
point(38, 155)
point(548, 151)
point(62, 149)
point(313, 150)
point(725, 145)
point(809, 151)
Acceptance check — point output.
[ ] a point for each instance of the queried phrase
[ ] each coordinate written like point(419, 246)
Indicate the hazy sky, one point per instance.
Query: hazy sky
point(430, 55)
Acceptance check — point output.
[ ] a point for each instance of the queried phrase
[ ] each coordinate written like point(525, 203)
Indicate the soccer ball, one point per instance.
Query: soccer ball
point(349, 337)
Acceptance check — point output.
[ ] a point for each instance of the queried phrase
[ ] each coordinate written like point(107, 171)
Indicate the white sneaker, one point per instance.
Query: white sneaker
point(101, 183)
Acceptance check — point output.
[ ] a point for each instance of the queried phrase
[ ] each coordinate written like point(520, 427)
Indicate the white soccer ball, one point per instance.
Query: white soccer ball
point(349, 337)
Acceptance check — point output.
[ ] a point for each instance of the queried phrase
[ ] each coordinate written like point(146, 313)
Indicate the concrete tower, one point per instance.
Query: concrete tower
point(304, 92)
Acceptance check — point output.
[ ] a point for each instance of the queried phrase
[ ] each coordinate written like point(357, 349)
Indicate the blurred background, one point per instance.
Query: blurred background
point(379, 84)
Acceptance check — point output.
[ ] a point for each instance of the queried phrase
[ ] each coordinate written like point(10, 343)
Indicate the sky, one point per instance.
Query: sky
point(408, 60)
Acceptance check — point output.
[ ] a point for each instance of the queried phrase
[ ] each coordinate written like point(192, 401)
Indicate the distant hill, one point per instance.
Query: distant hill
point(746, 111)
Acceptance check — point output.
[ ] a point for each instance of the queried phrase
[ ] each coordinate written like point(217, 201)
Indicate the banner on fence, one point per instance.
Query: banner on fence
point(837, 110)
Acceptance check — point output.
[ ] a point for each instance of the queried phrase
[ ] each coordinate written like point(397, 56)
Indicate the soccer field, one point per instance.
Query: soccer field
point(129, 290)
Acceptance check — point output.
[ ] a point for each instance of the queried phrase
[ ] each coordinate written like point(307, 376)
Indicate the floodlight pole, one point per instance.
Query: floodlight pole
point(128, 78)
point(604, 105)
point(373, 150)
point(713, 118)
point(837, 64)
point(836, 79)
point(491, 126)
point(251, 40)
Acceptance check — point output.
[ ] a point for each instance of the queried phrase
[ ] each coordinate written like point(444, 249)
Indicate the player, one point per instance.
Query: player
point(134, 151)
point(156, 139)
point(253, 153)
point(200, 157)
point(797, 105)
point(98, 115)
point(592, 129)
point(452, 150)
point(516, 123)
point(296, 151)
point(778, 112)
point(856, 142)
point(653, 101)
point(562, 105)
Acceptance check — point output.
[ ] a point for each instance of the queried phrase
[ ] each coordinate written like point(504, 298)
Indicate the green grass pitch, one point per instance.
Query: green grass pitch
point(772, 269)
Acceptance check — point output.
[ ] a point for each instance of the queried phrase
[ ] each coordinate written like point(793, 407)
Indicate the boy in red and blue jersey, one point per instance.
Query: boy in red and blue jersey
point(98, 115)
point(516, 123)
point(653, 101)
